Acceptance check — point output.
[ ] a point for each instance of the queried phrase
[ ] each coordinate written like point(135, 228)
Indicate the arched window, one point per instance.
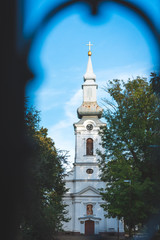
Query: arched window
point(89, 209)
point(89, 146)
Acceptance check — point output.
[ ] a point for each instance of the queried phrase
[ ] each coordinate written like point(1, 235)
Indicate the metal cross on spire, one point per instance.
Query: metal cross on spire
point(89, 44)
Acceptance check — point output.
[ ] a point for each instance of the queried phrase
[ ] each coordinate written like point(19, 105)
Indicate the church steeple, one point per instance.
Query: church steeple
point(89, 106)
point(89, 75)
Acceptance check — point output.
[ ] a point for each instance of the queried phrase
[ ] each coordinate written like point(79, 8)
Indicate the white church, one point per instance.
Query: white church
point(83, 181)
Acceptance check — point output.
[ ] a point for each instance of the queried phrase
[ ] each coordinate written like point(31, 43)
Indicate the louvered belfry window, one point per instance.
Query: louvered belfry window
point(89, 146)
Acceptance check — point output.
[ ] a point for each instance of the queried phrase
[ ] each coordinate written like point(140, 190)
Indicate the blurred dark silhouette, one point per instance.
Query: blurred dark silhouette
point(14, 149)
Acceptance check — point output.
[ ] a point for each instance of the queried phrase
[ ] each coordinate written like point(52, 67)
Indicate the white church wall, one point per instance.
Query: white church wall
point(80, 149)
point(82, 174)
point(97, 227)
point(81, 185)
point(103, 222)
point(79, 207)
point(78, 212)
point(112, 225)
point(89, 159)
point(82, 227)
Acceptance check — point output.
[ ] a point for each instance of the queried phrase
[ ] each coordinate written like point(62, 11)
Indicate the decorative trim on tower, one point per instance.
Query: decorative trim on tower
point(89, 109)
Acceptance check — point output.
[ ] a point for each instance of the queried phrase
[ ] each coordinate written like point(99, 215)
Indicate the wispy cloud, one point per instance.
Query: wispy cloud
point(63, 130)
point(129, 71)
point(72, 104)
point(70, 109)
point(45, 97)
point(48, 92)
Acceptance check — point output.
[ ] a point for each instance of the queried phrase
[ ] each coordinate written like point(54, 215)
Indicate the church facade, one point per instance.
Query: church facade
point(83, 199)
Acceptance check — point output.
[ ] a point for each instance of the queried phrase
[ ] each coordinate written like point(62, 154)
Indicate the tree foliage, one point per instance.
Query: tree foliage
point(155, 81)
point(131, 131)
point(44, 210)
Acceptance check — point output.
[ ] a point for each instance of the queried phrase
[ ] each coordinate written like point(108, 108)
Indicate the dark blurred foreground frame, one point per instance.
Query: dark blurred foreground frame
point(15, 149)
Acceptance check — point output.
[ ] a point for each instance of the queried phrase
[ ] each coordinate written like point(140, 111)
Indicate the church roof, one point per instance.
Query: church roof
point(87, 191)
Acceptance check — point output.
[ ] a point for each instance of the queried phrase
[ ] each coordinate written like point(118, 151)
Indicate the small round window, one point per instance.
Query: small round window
point(89, 171)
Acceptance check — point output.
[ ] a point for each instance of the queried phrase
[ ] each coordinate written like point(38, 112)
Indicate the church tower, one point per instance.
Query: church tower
point(87, 137)
point(83, 197)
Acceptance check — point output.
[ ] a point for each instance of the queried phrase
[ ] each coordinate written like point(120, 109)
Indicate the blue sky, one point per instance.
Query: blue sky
point(122, 48)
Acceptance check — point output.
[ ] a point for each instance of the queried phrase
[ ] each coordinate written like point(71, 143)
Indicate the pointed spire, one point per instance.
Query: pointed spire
point(89, 75)
point(89, 106)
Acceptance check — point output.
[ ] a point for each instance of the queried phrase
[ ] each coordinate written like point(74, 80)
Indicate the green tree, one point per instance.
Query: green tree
point(44, 211)
point(132, 127)
point(155, 81)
